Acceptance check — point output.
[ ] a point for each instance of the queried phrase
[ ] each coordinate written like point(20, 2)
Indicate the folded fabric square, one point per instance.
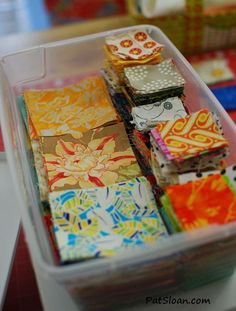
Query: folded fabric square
point(226, 96)
point(101, 222)
point(73, 109)
point(148, 79)
point(146, 117)
point(190, 136)
point(135, 44)
point(202, 202)
point(99, 158)
point(214, 70)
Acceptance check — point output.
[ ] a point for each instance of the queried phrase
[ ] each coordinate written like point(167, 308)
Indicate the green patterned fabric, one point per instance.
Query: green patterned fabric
point(102, 221)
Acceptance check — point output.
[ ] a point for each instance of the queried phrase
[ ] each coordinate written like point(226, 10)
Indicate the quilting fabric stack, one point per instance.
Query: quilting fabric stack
point(174, 144)
point(87, 172)
point(121, 161)
point(149, 84)
point(131, 49)
point(73, 109)
point(191, 143)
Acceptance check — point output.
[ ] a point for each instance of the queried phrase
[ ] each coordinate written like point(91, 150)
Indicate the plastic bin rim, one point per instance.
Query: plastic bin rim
point(211, 233)
point(79, 39)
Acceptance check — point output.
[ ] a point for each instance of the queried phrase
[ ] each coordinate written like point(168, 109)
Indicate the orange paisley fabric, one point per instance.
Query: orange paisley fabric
point(190, 136)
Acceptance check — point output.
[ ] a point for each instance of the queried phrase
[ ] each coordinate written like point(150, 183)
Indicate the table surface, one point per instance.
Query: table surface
point(222, 294)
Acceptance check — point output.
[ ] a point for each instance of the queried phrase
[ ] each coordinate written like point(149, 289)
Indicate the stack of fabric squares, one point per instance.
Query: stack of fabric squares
point(191, 143)
point(130, 49)
point(73, 109)
point(103, 221)
point(113, 148)
point(196, 204)
point(87, 171)
point(147, 84)
point(100, 202)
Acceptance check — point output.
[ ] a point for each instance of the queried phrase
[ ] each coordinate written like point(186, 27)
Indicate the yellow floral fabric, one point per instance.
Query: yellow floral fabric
point(101, 157)
point(73, 109)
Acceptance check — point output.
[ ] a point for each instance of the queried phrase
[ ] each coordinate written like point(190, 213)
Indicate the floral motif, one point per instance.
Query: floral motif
point(92, 161)
point(140, 36)
point(149, 44)
point(126, 43)
point(135, 51)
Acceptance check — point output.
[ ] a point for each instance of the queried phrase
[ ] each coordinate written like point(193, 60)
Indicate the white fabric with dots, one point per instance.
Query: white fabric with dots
point(147, 79)
point(230, 172)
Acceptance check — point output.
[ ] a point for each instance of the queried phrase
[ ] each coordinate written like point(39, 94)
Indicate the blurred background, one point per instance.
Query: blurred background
point(34, 15)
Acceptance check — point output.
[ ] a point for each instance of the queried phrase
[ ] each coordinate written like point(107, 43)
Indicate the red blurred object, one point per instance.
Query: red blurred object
point(63, 11)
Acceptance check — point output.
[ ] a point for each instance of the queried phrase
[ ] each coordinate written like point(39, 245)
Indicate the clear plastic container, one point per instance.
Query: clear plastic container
point(182, 261)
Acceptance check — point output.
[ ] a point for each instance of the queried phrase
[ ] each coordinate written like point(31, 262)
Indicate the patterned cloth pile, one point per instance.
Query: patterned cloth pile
point(121, 159)
point(182, 148)
point(100, 203)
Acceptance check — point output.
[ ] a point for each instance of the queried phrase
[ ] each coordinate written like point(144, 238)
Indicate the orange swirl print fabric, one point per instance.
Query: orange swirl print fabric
point(203, 202)
point(189, 136)
point(70, 110)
